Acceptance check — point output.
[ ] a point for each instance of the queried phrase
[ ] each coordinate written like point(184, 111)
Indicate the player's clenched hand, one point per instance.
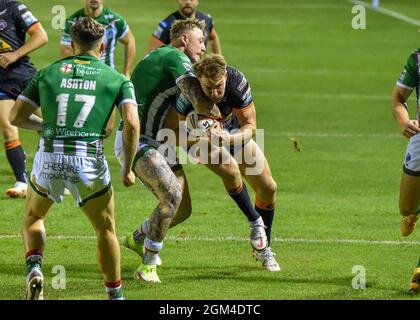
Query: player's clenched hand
point(128, 178)
point(411, 128)
point(8, 58)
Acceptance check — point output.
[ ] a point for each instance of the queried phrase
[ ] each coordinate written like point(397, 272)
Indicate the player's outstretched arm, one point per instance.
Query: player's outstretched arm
point(22, 116)
point(38, 37)
point(131, 134)
point(191, 88)
point(399, 109)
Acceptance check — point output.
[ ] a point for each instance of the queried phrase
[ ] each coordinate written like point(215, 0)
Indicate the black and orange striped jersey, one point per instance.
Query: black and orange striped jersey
point(15, 21)
point(162, 30)
point(237, 96)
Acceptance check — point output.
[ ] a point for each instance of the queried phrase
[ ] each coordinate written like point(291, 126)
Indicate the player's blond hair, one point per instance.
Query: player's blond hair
point(179, 27)
point(211, 66)
point(87, 33)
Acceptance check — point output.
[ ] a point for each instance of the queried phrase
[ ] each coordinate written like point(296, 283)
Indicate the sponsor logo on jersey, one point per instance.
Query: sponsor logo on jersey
point(4, 46)
point(3, 12)
point(82, 70)
point(81, 61)
point(3, 24)
point(187, 66)
point(66, 68)
point(29, 18)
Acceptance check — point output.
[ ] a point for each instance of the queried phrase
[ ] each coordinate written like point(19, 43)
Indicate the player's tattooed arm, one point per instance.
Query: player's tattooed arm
point(191, 89)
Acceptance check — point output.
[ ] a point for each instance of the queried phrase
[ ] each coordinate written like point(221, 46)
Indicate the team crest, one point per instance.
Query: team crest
point(187, 66)
point(3, 24)
point(66, 68)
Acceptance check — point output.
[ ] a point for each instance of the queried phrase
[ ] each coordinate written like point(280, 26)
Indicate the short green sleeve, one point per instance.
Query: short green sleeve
point(409, 77)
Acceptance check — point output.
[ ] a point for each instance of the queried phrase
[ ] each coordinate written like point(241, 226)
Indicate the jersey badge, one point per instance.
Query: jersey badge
point(187, 66)
point(66, 68)
point(3, 24)
point(81, 61)
point(29, 18)
point(4, 46)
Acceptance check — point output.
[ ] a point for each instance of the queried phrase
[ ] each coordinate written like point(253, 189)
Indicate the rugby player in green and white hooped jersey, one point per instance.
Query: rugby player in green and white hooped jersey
point(157, 79)
point(77, 95)
point(410, 180)
point(116, 29)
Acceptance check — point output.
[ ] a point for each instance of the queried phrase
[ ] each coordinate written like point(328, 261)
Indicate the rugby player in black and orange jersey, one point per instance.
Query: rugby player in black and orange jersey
point(228, 88)
point(16, 70)
point(187, 9)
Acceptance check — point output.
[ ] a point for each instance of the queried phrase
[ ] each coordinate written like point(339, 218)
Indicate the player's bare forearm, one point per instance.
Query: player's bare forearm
point(130, 52)
point(399, 107)
point(22, 116)
point(190, 87)
point(409, 127)
point(131, 134)
point(215, 42)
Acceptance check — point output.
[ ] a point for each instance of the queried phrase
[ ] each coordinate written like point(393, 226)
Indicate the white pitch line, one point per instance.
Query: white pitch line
point(332, 135)
point(388, 12)
point(235, 238)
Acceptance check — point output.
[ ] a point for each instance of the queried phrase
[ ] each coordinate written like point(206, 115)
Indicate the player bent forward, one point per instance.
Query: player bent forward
point(76, 106)
point(230, 91)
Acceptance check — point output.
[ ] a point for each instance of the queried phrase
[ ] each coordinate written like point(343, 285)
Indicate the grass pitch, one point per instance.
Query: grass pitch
point(315, 80)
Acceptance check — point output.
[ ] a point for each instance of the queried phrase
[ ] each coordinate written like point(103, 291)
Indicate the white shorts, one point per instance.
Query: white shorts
point(85, 177)
point(412, 156)
point(146, 143)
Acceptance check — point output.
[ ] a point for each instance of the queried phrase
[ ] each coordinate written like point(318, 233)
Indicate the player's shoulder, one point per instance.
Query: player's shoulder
point(111, 15)
point(166, 23)
point(12, 5)
point(203, 16)
point(76, 15)
point(170, 52)
point(234, 75)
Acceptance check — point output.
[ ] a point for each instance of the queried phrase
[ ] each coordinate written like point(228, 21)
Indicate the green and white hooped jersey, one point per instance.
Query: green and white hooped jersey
point(409, 78)
point(77, 96)
point(155, 81)
point(115, 28)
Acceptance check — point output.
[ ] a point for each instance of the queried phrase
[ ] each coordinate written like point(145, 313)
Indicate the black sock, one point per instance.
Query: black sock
point(241, 197)
point(17, 159)
point(267, 215)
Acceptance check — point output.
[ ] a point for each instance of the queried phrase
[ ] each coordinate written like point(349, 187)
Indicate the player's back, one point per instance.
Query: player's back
point(77, 96)
point(156, 74)
point(155, 84)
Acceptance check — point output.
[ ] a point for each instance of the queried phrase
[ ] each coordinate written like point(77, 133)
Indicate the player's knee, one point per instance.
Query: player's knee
point(271, 187)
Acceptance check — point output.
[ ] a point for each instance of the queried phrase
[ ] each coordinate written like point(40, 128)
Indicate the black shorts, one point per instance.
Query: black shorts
point(10, 91)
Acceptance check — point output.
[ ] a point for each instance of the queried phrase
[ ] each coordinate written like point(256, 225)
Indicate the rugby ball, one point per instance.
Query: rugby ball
point(197, 125)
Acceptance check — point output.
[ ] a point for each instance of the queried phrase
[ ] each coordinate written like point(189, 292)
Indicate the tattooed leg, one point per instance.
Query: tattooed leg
point(157, 176)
